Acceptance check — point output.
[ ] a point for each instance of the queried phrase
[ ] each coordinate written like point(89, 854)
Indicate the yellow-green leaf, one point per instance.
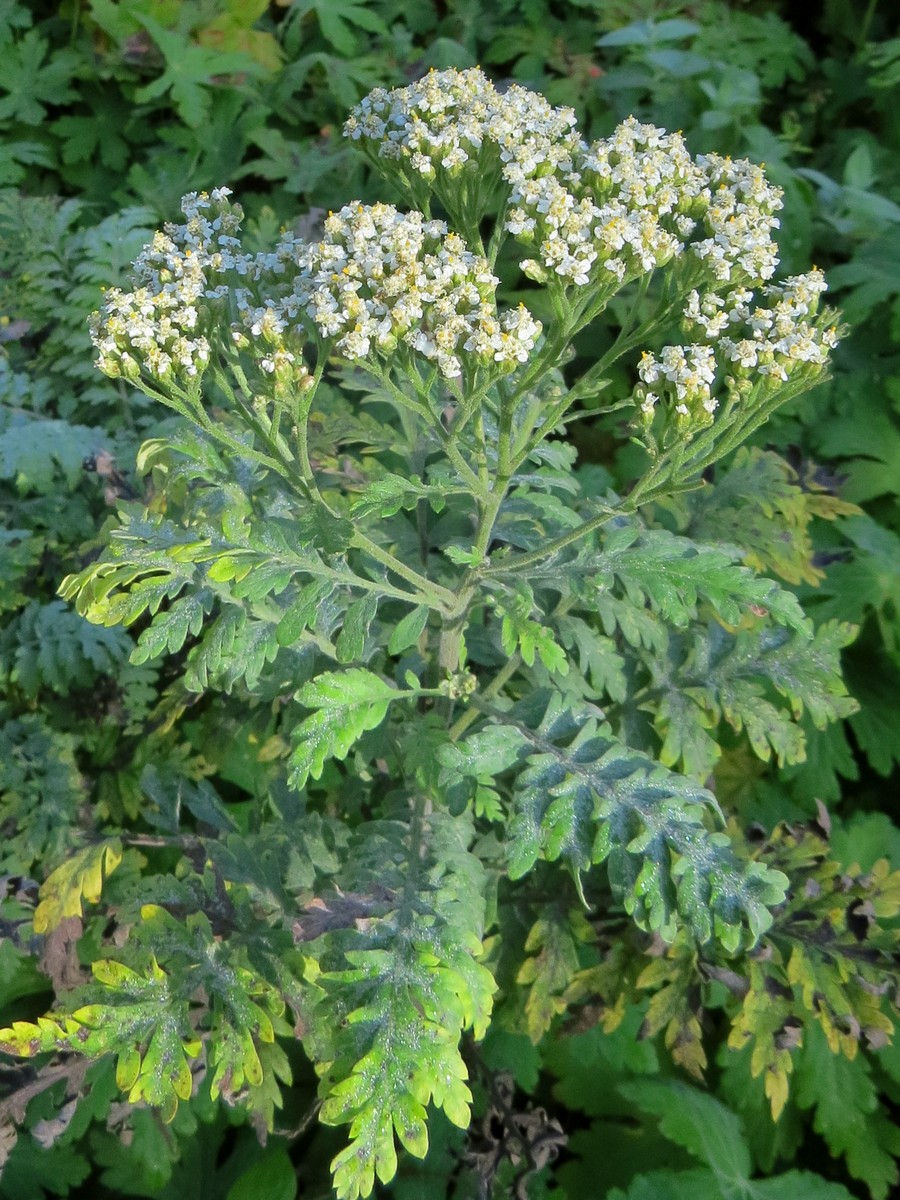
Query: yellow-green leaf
point(79, 878)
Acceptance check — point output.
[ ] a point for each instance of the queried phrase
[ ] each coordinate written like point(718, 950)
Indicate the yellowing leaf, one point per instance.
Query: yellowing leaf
point(79, 878)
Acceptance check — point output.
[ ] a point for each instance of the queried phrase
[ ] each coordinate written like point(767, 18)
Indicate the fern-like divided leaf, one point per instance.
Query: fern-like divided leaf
point(153, 1019)
point(738, 678)
point(347, 704)
point(386, 1029)
point(34, 451)
point(391, 493)
point(78, 878)
point(49, 646)
point(761, 504)
point(672, 575)
point(148, 563)
point(831, 963)
point(585, 797)
point(179, 577)
point(144, 1024)
point(41, 789)
point(520, 632)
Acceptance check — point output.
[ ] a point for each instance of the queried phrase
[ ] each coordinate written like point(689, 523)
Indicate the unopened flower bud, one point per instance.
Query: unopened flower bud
point(130, 369)
point(534, 270)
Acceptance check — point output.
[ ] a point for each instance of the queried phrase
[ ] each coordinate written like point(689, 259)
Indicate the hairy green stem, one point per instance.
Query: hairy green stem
point(302, 424)
point(283, 461)
point(424, 408)
point(430, 593)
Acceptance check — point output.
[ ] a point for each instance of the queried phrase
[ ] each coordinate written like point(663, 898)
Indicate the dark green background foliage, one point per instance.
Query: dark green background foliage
point(630, 1085)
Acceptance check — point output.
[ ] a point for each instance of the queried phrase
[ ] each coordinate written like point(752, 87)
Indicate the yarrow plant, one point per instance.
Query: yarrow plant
point(480, 666)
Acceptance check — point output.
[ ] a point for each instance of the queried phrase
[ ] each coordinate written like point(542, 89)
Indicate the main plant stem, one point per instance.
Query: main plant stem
point(450, 646)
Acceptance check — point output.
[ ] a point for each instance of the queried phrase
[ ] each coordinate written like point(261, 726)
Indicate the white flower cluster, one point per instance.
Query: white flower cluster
point(619, 211)
point(636, 200)
point(738, 214)
point(759, 346)
point(377, 278)
point(763, 345)
point(684, 376)
point(603, 213)
point(158, 326)
point(451, 120)
point(605, 216)
point(711, 314)
point(771, 339)
point(599, 215)
point(380, 277)
point(381, 282)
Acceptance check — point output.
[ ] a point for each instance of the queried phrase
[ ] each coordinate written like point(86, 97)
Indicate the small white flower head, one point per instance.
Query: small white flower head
point(380, 277)
point(783, 337)
point(736, 211)
point(635, 201)
point(454, 122)
point(756, 348)
point(161, 328)
point(681, 380)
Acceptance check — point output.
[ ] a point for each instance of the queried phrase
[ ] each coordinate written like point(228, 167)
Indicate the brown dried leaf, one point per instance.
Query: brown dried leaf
point(341, 910)
point(59, 957)
point(823, 820)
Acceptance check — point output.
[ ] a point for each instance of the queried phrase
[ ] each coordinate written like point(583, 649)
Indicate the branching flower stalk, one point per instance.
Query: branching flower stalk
point(387, 290)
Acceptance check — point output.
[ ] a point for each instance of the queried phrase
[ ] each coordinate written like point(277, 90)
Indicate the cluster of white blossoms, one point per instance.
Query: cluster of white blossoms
point(451, 121)
point(636, 200)
point(738, 207)
point(381, 283)
point(684, 377)
point(776, 338)
point(597, 216)
point(761, 345)
point(380, 277)
point(158, 326)
point(603, 213)
point(376, 279)
point(620, 210)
